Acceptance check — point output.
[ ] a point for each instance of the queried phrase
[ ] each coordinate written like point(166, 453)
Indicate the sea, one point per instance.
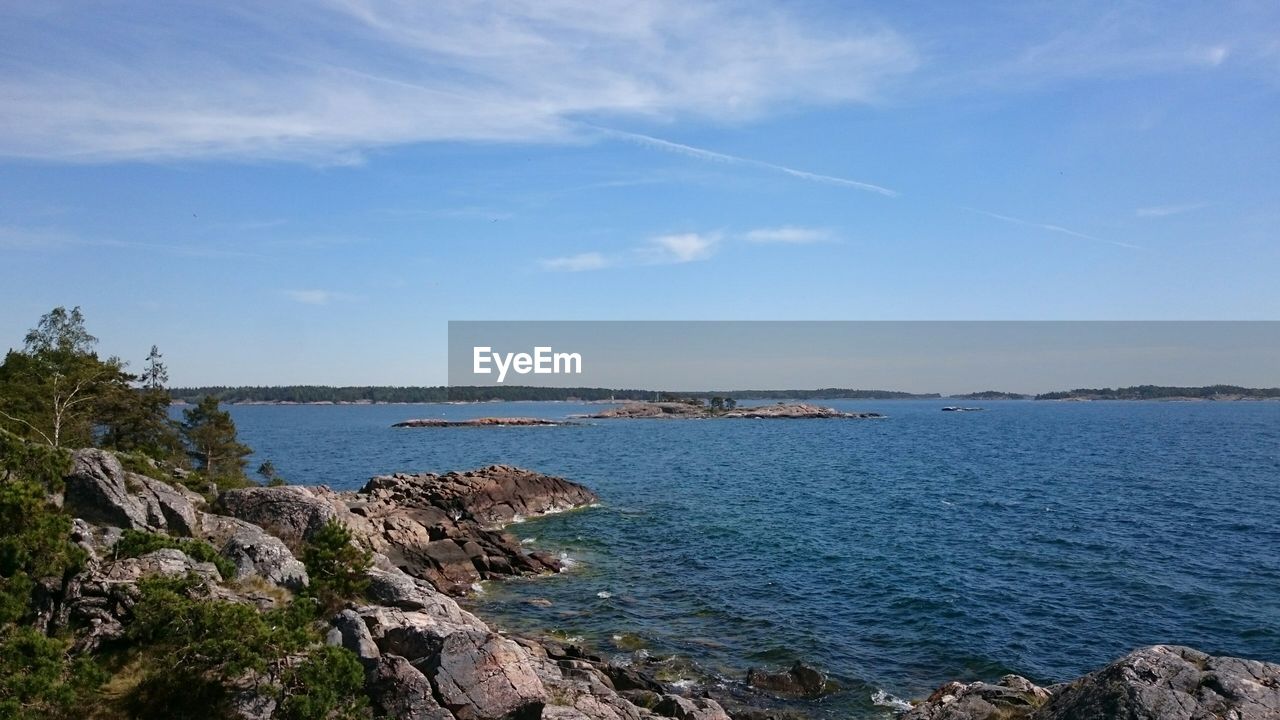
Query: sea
point(1031, 537)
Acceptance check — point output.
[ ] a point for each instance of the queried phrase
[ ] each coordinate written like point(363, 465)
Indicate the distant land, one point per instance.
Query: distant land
point(992, 395)
point(364, 394)
point(438, 393)
point(1161, 392)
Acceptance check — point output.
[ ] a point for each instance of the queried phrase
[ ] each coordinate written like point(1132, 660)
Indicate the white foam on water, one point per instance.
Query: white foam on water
point(528, 541)
point(683, 684)
point(566, 562)
point(884, 699)
point(477, 588)
point(604, 594)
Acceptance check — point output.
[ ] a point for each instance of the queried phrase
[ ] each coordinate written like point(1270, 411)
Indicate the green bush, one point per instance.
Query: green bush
point(336, 566)
point(135, 543)
point(39, 679)
point(328, 685)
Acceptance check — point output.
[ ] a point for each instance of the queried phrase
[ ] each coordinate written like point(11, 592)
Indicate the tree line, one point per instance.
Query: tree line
point(441, 393)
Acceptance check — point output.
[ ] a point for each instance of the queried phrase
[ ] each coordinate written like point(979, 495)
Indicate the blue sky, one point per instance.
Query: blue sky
point(309, 192)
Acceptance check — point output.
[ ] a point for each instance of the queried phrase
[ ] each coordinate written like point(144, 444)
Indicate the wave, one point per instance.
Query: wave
point(882, 698)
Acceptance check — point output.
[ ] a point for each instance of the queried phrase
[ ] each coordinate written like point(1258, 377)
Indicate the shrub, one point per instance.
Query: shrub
point(337, 567)
point(328, 685)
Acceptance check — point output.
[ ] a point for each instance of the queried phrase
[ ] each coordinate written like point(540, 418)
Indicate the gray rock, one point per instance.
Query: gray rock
point(800, 679)
point(395, 588)
point(1171, 683)
point(399, 690)
point(99, 490)
point(1013, 697)
point(683, 708)
point(292, 513)
point(482, 676)
point(353, 635)
point(254, 551)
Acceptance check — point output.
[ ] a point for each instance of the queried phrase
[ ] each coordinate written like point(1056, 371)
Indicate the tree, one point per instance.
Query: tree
point(136, 419)
point(154, 374)
point(336, 566)
point(54, 388)
point(210, 434)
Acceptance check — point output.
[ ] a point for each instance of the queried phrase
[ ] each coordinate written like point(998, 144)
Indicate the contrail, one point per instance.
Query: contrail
point(1051, 228)
point(735, 160)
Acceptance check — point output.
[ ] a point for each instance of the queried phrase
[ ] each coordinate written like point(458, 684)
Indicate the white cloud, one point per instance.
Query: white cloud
point(788, 235)
point(681, 248)
point(714, 156)
point(577, 263)
point(313, 297)
point(323, 81)
point(1167, 210)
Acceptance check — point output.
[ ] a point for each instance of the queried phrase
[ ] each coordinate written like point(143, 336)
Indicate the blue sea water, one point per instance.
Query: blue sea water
point(1038, 538)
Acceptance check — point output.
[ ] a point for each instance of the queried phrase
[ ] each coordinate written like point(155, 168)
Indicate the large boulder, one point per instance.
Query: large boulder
point(1169, 682)
point(99, 490)
point(254, 552)
point(290, 512)
point(476, 673)
point(483, 676)
point(399, 690)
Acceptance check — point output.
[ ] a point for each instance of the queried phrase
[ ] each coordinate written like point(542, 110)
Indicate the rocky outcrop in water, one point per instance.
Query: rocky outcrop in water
point(783, 411)
point(445, 529)
point(800, 680)
point(1161, 682)
point(477, 422)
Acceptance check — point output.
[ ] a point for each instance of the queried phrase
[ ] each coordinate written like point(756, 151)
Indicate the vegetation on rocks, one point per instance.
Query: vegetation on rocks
point(336, 565)
point(135, 543)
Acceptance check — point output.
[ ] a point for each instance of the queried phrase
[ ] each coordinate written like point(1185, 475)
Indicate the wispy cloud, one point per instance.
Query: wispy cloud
point(703, 154)
point(577, 263)
point(315, 297)
point(1167, 210)
point(671, 249)
point(1052, 228)
point(324, 81)
point(681, 248)
point(788, 235)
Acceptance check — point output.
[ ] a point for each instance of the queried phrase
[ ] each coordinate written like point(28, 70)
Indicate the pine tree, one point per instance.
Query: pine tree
point(211, 439)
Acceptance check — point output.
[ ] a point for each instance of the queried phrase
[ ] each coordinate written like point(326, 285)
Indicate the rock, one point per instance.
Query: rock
point(683, 708)
point(1161, 682)
point(483, 676)
point(394, 588)
point(1014, 697)
point(291, 512)
point(353, 634)
point(254, 551)
point(492, 495)
point(799, 680)
point(1171, 683)
point(100, 491)
point(399, 690)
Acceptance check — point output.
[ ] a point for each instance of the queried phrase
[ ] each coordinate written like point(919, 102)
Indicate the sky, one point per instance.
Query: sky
point(281, 193)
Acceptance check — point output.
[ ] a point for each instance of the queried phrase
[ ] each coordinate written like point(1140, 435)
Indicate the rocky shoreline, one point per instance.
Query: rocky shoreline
point(433, 537)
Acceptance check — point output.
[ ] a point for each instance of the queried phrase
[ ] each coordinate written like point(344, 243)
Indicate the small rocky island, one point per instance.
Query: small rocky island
point(686, 410)
point(478, 422)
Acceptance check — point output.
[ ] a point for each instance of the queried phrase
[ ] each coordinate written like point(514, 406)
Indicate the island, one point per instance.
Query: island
point(1164, 392)
point(693, 409)
point(478, 422)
